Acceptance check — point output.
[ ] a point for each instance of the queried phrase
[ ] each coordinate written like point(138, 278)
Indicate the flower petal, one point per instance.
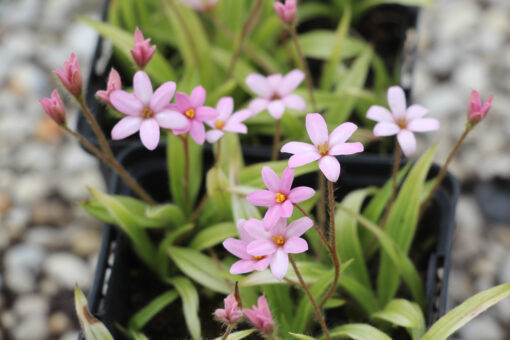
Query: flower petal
point(261, 248)
point(205, 113)
point(298, 227)
point(275, 82)
point(212, 136)
point(126, 127)
point(262, 198)
point(407, 142)
point(270, 179)
point(162, 96)
point(415, 112)
point(379, 114)
point(239, 117)
point(341, 133)
point(286, 209)
point(330, 168)
point(279, 264)
point(255, 229)
point(295, 102)
point(126, 103)
point(225, 107)
point(172, 120)
point(272, 216)
point(259, 85)
point(397, 101)
point(243, 266)
point(276, 109)
point(423, 125)
point(237, 248)
point(286, 181)
point(301, 194)
point(182, 101)
point(346, 149)
point(303, 158)
point(197, 131)
point(238, 128)
point(290, 82)
point(258, 105)
point(295, 245)
point(297, 147)
point(143, 87)
point(386, 129)
point(242, 232)
point(197, 97)
point(149, 133)
point(317, 128)
point(263, 263)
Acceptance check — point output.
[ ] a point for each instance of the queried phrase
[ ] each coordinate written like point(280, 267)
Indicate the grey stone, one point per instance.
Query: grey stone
point(68, 270)
point(483, 327)
point(32, 328)
point(24, 256)
point(16, 220)
point(31, 306)
point(19, 281)
point(47, 237)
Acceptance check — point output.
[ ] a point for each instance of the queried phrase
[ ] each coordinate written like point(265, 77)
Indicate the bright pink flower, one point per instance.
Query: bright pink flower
point(54, 108)
point(275, 93)
point(260, 316)
point(324, 147)
point(279, 198)
point(247, 262)
point(114, 83)
point(70, 75)
point(278, 242)
point(226, 121)
point(476, 110)
point(192, 108)
point(401, 121)
point(287, 12)
point(142, 51)
point(231, 313)
point(200, 5)
point(146, 111)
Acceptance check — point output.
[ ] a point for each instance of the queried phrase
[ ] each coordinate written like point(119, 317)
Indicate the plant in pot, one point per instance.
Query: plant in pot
point(357, 274)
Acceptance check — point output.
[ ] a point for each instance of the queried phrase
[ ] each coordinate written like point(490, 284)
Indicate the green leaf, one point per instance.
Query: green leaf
point(311, 272)
point(169, 239)
point(464, 313)
point(238, 335)
point(358, 331)
point(301, 336)
point(93, 329)
point(241, 70)
point(406, 314)
point(363, 295)
point(189, 297)
point(214, 235)
point(164, 215)
point(199, 267)
point(140, 319)
point(319, 44)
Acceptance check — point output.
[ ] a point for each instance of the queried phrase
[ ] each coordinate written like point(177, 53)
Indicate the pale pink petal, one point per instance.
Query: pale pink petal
point(276, 109)
point(270, 179)
point(261, 247)
point(295, 245)
point(225, 108)
point(149, 133)
point(255, 229)
point(274, 81)
point(279, 264)
point(126, 127)
point(290, 82)
point(238, 128)
point(172, 120)
point(280, 227)
point(272, 216)
point(423, 125)
point(197, 131)
point(205, 113)
point(286, 181)
point(259, 85)
point(237, 248)
point(407, 142)
point(300, 194)
point(298, 227)
point(258, 105)
point(212, 136)
point(397, 101)
point(197, 97)
point(239, 117)
point(263, 263)
point(386, 129)
point(293, 101)
point(379, 114)
point(162, 96)
point(415, 112)
point(317, 129)
point(243, 233)
point(297, 147)
point(341, 133)
point(286, 209)
point(242, 267)
point(262, 198)
point(303, 158)
point(182, 101)
point(346, 149)
point(330, 168)
point(143, 87)
point(126, 103)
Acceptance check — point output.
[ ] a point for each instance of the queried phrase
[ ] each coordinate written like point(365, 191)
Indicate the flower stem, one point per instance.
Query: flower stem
point(334, 252)
point(227, 332)
point(443, 170)
point(218, 154)
point(199, 209)
point(319, 232)
point(185, 142)
point(396, 166)
point(276, 141)
point(95, 127)
point(304, 66)
point(321, 208)
point(244, 33)
point(111, 162)
point(312, 299)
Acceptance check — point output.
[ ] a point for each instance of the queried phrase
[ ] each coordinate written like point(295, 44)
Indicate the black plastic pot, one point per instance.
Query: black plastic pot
point(108, 297)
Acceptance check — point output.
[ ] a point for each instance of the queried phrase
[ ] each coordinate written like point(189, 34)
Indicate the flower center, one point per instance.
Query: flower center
point(280, 198)
point(147, 113)
point(258, 258)
point(190, 113)
point(279, 240)
point(219, 124)
point(402, 123)
point(323, 149)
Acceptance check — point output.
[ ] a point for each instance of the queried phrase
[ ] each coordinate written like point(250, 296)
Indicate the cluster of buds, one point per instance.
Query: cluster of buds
point(142, 51)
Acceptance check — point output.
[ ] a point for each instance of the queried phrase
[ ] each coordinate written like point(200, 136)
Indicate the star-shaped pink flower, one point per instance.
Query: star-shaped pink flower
point(401, 121)
point(325, 147)
point(226, 121)
point(280, 197)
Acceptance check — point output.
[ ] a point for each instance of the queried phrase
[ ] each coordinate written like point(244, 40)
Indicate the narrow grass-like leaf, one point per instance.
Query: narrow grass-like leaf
point(311, 272)
point(140, 319)
point(404, 313)
point(189, 297)
point(318, 44)
point(238, 335)
point(92, 328)
point(363, 295)
point(301, 336)
point(358, 331)
point(213, 235)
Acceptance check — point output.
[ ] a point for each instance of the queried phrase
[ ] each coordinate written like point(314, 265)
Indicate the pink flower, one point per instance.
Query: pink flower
point(279, 198)
point(278, 242)
point(231, 313)
point(54, 108)
point(324, 147)
point(192, 108)
point(287, 12)
point(70, 75)
point(200, 5)
point(113, 84)
point(476, 110)
point(247, 262)
point(401, 121)
point(142, 51)
point(226, 121)
point(260, 316)
point(275, 93)
point(146, 111)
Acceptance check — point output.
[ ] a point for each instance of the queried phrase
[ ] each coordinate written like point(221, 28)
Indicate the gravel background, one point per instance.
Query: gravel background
point(47, 243)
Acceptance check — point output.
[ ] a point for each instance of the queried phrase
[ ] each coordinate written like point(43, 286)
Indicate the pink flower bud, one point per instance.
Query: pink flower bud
point(231, 314)
point(287, 12)
point(142, 52)
point(476, 110)
point(260, 316)
point(70, 76)
point(54, 108)
point(114, 83)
